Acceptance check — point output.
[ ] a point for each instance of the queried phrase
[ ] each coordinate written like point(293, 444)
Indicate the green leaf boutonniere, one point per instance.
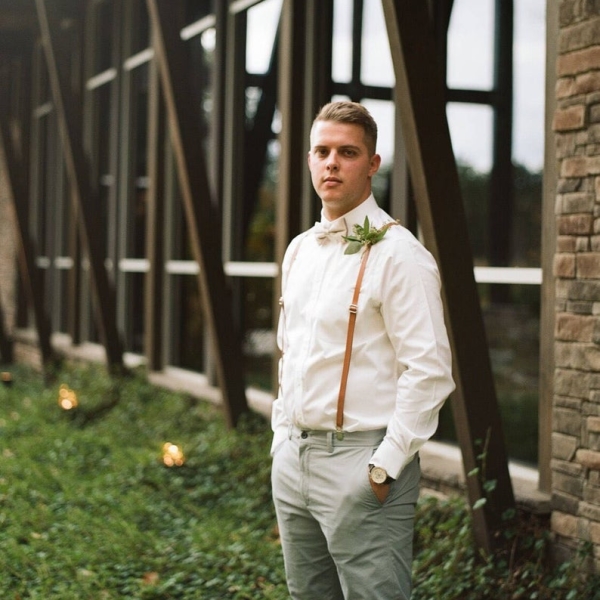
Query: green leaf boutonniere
point(365, 236)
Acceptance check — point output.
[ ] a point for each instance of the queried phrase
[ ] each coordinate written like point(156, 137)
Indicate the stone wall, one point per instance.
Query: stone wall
point(576, 412)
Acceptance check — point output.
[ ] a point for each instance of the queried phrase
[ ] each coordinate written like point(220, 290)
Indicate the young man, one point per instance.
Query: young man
point(355, 403)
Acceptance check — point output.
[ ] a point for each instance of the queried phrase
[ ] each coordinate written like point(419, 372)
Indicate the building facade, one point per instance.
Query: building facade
point(152, 177)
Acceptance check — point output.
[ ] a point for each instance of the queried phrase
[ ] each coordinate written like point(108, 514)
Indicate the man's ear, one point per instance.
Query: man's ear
point(375, 164)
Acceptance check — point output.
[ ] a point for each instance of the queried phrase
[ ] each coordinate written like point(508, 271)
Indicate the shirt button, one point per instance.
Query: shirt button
point(304, 435)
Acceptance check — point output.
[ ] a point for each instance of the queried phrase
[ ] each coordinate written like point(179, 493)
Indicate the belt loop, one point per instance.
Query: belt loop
point(330, 442)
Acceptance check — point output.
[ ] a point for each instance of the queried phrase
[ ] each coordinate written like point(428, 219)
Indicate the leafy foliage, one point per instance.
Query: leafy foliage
point(365, 235)
point(449, 566)
point(88, 510)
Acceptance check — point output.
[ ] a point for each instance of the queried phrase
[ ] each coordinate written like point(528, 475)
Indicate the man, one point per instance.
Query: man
point(356, 401)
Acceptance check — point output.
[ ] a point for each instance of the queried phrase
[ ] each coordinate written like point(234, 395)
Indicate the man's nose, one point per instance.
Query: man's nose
point(332, 162)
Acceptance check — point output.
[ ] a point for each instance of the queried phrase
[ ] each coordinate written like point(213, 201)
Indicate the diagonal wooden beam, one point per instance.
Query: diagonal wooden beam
point(420, 98)
point(19, 192)
point(69, 107)
point(202, 216)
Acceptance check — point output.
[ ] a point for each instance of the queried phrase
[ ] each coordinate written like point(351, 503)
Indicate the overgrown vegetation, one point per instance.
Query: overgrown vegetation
point(88, 510)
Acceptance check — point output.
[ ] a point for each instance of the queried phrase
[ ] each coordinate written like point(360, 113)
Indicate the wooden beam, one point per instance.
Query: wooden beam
point(548, 295)
point(201, 211)
point(19, 192)
point(421, 106)
point(153, 337)
point(69, 107)
point(293, 141)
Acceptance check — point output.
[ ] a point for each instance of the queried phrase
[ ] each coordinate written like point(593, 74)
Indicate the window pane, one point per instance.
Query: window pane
point(258, 334)
point(197, 9)
point(376, 63)
point(383, 112)
point(471, 45)
point(263, 19)
point(103, 36)
point(137, 187)
point(186, 323)
point(529, 83)
point(471, 132)
point(513, 333)
point(342, 41)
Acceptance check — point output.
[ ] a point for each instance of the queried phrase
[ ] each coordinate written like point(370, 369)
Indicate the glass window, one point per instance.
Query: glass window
point(384, 113)
point(140, 32)
point(341, 69)
point(471, 130)
point(513, 336)
point(186, 327)
point(529, 83)
point(138, 154)
point(197, 9)
point(202, 57)
point(258, 334)
point(263, 19)
point(376, 63)
point(471, 45)
point(101, 152)
point(103, 36)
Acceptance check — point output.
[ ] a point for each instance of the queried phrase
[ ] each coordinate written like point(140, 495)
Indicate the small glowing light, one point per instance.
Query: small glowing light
point(172, 455)
point(67, 398)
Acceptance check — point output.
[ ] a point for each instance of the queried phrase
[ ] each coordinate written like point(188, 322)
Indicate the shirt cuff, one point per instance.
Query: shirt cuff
point(389, 458)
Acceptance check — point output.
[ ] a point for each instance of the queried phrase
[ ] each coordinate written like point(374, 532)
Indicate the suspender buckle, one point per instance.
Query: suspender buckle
point(353, 309)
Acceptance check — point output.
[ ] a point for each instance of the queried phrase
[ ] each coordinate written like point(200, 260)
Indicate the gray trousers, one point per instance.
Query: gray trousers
point(339, 542)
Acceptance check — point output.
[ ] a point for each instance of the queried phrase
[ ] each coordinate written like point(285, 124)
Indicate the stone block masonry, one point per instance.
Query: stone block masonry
point(576, 412)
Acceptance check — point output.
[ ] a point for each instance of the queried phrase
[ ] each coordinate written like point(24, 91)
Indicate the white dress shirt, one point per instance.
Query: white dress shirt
point(400, 371)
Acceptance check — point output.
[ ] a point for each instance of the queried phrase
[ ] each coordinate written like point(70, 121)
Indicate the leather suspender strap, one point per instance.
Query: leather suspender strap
point(339, 421)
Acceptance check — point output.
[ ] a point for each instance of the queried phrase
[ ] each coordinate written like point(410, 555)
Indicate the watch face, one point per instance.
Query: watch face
point(378, 475)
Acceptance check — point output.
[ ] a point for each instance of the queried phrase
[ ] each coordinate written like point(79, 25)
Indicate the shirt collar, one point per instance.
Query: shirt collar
point(356, 216)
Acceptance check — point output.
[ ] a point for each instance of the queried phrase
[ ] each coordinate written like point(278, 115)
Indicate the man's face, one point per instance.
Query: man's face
point(340, 166)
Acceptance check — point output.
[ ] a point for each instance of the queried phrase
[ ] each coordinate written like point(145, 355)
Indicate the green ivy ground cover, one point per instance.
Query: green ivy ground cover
point(88, 510)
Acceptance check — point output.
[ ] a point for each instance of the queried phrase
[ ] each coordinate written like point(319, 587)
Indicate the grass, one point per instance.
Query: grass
point(88, 510)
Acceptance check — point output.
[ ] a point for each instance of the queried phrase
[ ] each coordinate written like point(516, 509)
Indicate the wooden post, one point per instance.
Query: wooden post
point(421, 105)
point(68, 106)
point(203, 220)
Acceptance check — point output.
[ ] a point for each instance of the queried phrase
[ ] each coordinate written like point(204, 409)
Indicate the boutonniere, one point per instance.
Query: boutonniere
point(365, 236)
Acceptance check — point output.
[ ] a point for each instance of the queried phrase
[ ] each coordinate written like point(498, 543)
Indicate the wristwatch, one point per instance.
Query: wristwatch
point(378, 475)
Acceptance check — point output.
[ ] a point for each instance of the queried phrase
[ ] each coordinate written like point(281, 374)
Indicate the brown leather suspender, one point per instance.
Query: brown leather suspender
point(339, 420)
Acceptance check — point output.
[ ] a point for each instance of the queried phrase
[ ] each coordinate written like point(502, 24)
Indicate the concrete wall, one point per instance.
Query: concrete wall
point(576, 411)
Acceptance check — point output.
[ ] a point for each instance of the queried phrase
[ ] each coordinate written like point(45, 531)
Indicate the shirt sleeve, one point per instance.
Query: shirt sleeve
point(279, 420)
point(413, 315)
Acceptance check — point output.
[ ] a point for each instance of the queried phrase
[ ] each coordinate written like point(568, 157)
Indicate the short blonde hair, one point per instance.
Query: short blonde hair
point(351, 112)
